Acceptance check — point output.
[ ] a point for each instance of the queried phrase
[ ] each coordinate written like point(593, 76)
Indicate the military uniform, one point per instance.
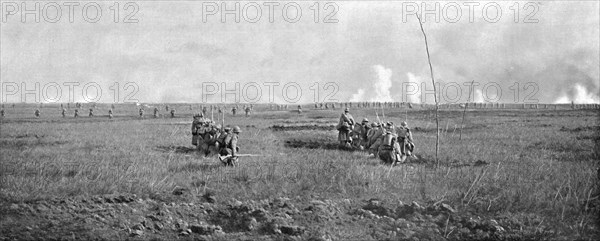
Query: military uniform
point(405, 139)
point(172, 113)
point(141, 113)
point(76, 113)
point(375, 139)
point(230, 147)
point(216, 139)
point(2, 113)
point(389, 149)
point(201, 132)
point(345, 125)
point(37, 113)
point(110, 114)
point(64, 112)
point(91, 112)
point(247, 111)
point(155, 112)
point(233, 110)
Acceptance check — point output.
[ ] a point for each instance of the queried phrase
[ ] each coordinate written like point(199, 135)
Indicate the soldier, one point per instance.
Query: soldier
point(155, 112)
point(215, 141)
point(358, 132)
point(2, 113)
point(299, 109)
point(91, 112)
point(405, 140)
point(375, 138)
point(365, 128)
point(76, 113)
point(233, 110)
point(204, 110)
point(200, 132)
point(64, 112)
point(141, 112)
point(345, 125)
point(166, 107)
point(110, 113)
point(37, 113)
point(172, 113)
point(389, 150)
point(195, 129)
point(247, 111)
point(228, 153)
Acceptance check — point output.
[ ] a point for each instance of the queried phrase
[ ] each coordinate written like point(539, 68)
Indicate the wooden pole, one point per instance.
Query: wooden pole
point(437, 122)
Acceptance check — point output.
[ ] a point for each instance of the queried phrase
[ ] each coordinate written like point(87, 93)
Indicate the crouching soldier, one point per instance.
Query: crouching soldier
point(405, 139)
point(228, 154)
point(389, 150)
point(216, 135)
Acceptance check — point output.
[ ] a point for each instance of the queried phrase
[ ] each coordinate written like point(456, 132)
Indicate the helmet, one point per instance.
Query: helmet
point(374, 124)
point(227, 129)
point(365, 120)
point(217, 126)
point(404, 124)
point(347, 109)
point(236, 129)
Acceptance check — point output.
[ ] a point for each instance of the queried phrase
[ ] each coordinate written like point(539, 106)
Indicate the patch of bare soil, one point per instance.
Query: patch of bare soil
point(113, 217)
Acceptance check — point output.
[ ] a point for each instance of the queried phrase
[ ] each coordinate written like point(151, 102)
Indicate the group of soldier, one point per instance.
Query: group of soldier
point(390, 143)
point(212, 138)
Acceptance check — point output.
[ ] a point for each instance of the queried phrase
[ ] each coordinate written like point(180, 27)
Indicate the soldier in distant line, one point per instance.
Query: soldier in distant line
point(37, 113)
point(110, 113)
point(76, 113)
point(299, 109)
point(204, 110)
point(172, 113)
point(141, 112)
point(233, 110)
point(64, 112)
point(91, 112)
point(2, 113)
point(155, 112)
point(166, 107)
point(247, 111)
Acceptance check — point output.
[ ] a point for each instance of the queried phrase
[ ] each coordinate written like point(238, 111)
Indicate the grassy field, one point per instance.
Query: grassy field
point(513, 162)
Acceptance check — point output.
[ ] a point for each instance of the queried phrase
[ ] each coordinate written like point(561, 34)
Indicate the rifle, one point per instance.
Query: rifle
point(222, 158)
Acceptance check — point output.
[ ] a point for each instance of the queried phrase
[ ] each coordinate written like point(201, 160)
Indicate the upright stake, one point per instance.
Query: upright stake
point(437, 122)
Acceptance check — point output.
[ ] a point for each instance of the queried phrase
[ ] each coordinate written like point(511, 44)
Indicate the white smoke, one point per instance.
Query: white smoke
point(379, 86)
point(478, 98)
point(580, 96)
point(412, 96)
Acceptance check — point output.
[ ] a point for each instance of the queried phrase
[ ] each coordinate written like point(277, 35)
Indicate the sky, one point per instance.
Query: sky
point(182, 51)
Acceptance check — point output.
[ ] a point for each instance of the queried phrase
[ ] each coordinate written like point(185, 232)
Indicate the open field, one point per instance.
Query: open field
point(516, 174)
